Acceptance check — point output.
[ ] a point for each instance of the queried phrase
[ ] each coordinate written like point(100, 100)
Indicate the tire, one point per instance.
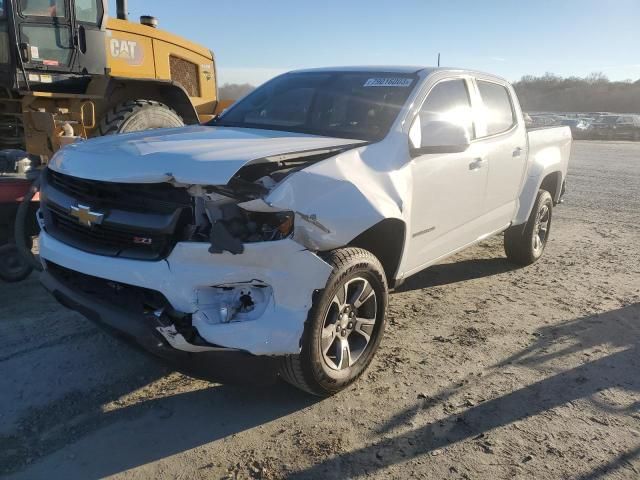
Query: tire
point(138, 115)
point(13, 267)
point(525, 245)
point(323, 368)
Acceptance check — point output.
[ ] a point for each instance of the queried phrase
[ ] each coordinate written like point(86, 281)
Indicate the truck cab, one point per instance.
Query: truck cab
point(51, 45)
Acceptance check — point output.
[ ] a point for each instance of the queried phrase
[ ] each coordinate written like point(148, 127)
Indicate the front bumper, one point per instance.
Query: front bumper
point(191, 275)
point(219, 365)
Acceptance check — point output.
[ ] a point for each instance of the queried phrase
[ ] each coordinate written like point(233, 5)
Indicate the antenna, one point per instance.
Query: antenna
point(438, 58)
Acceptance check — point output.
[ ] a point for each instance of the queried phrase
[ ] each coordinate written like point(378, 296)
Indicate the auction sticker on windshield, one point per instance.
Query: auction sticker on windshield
point(388, 82)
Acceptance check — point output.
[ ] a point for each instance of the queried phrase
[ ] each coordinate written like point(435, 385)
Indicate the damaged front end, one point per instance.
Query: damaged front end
point(228, 264)
point(232, 215)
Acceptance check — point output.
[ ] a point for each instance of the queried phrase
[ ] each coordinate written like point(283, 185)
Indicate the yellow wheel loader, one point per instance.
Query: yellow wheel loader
point(67, 70)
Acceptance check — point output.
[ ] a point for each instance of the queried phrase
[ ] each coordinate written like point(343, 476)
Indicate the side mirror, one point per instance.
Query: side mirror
point(442, 137)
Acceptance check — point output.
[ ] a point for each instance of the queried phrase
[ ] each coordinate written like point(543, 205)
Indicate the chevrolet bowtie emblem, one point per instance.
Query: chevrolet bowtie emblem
point(85, 216)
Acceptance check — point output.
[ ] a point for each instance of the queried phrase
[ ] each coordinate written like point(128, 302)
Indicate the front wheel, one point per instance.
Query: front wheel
point(344, 326)
point(524, 245)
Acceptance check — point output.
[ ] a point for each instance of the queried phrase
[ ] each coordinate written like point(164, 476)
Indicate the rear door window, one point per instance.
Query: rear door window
point(497, 109)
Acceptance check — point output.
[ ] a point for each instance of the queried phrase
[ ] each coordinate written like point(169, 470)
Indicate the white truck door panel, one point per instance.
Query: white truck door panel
point(448, 195)
point(504, 141)
point(448, 188)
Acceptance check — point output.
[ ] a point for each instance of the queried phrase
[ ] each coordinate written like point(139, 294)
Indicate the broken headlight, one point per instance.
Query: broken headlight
point(228, 227)
point(261, 226)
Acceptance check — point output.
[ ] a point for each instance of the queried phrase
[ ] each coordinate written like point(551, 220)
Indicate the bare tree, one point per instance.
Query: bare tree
point(594, 93)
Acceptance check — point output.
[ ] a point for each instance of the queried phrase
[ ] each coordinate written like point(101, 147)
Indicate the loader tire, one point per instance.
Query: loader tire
point(344, 326)
point(525, 244)
point(138, 115)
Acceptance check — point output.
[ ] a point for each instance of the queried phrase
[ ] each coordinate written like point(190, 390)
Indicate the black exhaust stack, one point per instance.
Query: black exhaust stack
point(123, 7)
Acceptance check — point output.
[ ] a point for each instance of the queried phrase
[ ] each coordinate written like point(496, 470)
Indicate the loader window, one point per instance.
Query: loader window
point(88, 11)
point(50, 44)
point(4, 39)
point(43, 8)
point(361, 105)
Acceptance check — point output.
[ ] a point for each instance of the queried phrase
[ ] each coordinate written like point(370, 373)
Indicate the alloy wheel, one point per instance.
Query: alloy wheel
point(541, 228)
point(349, 323)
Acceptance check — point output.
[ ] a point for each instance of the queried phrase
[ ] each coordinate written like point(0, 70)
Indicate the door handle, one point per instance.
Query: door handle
point(476, 164)
point(517, 152)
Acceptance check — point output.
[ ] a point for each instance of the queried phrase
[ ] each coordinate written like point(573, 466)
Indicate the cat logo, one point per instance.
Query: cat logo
point(126, 50)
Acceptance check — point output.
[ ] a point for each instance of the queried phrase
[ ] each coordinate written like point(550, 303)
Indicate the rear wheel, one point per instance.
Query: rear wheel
point(525, 245)
point(344, 326)
point(139, 115)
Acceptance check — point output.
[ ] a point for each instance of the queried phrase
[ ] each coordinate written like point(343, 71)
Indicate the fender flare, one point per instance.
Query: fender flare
point(537, 175)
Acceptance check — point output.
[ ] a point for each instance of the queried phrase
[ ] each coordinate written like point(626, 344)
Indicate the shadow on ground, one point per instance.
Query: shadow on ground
point(147, 431)
point(615, 330)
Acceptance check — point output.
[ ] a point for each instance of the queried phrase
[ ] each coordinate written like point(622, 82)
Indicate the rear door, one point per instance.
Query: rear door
point(502, 139)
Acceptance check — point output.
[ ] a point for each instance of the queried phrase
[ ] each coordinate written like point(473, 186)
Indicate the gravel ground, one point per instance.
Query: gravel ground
point(486, 371)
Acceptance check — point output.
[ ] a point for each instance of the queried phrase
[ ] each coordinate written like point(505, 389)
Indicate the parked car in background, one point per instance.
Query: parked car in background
point(580, 128)
point(543, 120)
point(613, 127)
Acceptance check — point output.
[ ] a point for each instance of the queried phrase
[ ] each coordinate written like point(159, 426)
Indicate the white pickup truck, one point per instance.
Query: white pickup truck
point(279, 228)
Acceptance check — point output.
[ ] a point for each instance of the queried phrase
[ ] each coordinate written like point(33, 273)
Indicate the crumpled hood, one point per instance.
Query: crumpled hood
point(191, 155)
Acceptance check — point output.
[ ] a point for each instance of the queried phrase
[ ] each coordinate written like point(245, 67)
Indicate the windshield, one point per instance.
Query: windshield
point(337, 104)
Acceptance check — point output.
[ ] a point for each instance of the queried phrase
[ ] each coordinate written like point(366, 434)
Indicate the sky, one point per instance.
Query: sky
point(254, 40)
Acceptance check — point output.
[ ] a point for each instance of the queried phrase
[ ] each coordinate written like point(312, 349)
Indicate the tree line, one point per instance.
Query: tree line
point(549, 92)
point(593, 93)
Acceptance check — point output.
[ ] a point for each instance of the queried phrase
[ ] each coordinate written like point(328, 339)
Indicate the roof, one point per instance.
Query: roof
point(400, 69)
point(406, 69)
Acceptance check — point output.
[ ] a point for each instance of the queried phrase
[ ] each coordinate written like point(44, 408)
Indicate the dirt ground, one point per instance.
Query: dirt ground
point(486, 372)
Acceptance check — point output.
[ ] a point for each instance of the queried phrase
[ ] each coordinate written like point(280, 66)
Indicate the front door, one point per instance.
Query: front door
point(448, 189)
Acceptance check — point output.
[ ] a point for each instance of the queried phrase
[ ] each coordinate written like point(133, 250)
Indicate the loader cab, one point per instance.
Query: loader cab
point(51, 45)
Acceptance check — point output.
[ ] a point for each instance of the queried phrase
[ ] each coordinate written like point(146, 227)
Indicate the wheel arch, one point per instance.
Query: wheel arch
point(386, 241)
point(552, 183)
point(170, 93)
